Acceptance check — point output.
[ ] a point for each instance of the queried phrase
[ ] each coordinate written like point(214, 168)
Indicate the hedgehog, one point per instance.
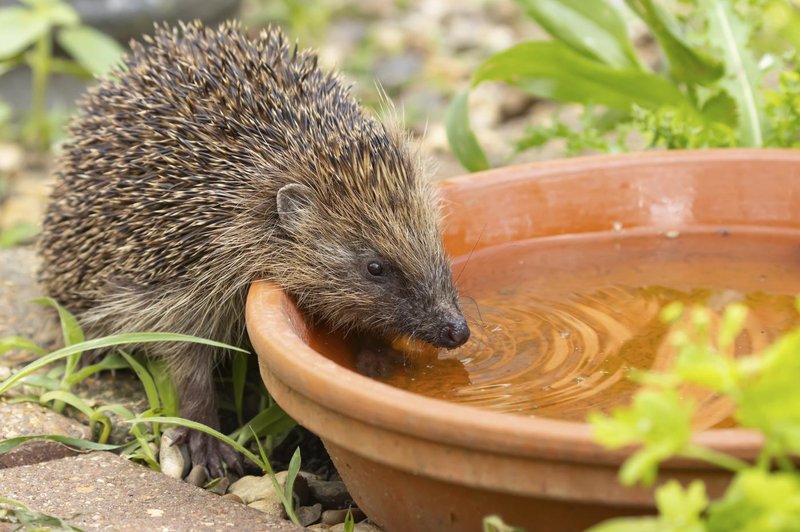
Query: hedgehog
point(210, 159)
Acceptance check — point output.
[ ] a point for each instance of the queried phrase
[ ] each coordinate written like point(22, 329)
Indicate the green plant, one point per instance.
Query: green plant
point(26, 37)
point(709, 93)
point(764, 496)
point(55, 388)
point(494, 523)
point(15, 512)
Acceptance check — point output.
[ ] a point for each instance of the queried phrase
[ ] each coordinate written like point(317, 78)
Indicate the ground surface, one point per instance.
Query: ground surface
point(101, 491)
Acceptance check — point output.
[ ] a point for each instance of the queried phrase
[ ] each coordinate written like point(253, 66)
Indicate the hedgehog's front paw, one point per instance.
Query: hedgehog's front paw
point(211, 453)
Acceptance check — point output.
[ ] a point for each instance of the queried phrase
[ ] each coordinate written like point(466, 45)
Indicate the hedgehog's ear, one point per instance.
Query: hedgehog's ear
point(294, 205)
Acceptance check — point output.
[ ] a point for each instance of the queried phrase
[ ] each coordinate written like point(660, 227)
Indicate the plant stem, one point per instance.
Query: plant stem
point(40, 68)
point(722, 460)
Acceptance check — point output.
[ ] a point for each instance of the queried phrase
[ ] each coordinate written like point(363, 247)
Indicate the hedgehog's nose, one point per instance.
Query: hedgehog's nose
point(454, 333)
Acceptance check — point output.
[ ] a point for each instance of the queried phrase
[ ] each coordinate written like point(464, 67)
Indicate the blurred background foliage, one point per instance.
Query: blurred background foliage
point(667, 57)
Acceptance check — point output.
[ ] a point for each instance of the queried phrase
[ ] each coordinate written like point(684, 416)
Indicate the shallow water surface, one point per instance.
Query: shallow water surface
point(558, 322)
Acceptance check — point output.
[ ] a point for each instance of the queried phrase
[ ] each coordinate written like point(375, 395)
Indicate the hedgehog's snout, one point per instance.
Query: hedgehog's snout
point(453, 331)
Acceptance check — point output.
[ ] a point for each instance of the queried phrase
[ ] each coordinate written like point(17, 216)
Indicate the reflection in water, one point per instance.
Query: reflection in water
point(557, 324)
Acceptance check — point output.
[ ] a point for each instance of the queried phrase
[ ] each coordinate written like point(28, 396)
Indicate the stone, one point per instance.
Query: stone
point(232, 497)
point(28, 419)
point(332, 494)
point(308, 515)
point(173, 459)
point(334, 517)
point(197, 476)
point(251, 488)
point(221, 487)
point(271, 505)
point(101, 491)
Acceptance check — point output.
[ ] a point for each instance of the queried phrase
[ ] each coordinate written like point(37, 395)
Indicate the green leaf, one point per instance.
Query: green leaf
point(96, 52)
point(682, 507)
point(107, 341)
point(462, 140)
point(495, 523)
point(686, 63)
point(75, 443)
point(270, 421)
point(56, 12)
point(759, 501)
point(630, 524)
point(770, 400)
point(658, 419)
point(150, 390)
point(109, 362)
point(17, 342)
point(349, 521)
point(593, 29)
point(68, 398)
point(19, 28)
point(291, 475)
point(553, 70)
point(167, 392)
point(239, 376)
point(720, 108)
point(730, 34)
point(70, 328)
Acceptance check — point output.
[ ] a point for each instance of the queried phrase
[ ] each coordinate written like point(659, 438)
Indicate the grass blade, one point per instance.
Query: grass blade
point(150, 390)
point(23, 344)
point(74, 443)
point(108, 341)
point(68, 398)
point(239, 373)
point(291, 475)
point(70, 328)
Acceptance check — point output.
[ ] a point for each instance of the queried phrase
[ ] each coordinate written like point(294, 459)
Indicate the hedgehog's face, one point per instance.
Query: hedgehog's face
point(379, 272)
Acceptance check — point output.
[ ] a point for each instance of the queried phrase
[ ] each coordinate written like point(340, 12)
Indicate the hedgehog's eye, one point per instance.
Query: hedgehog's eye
point(375, 268)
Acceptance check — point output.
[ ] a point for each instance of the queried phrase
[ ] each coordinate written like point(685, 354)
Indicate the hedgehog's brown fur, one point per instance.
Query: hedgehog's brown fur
point(165, 206)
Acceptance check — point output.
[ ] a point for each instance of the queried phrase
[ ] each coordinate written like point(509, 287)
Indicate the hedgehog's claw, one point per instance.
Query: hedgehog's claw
point(211, 453)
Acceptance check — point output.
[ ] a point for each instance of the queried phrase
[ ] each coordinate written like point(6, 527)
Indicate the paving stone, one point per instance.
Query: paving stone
point(25, 419)
point(101, 491)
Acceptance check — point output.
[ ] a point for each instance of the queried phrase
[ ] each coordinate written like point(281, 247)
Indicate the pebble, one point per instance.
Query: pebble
point(331, 494)
point(251, 488)
point(270, 505)
point(221, 487)
point(197, 476)
point(308, 515)
point(233, 497)
point(174, 459)
point(334, 517)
